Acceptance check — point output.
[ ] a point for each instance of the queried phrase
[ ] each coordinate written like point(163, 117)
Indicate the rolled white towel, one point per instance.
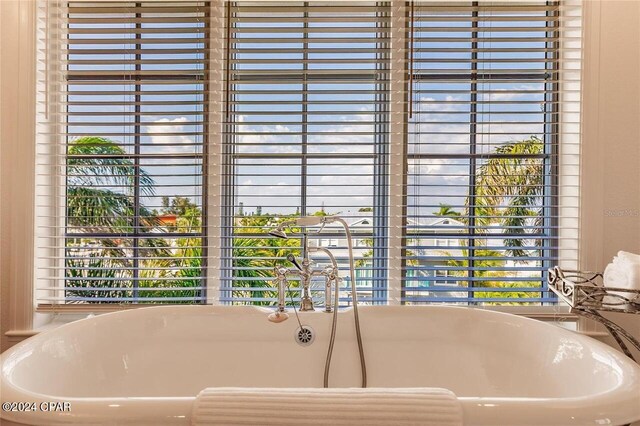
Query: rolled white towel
point(333, 406)
point(629, 263)
point(615, 276)
point(623, 273)
point(631, 257)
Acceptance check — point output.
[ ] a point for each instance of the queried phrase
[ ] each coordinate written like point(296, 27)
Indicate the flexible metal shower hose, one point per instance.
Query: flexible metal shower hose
point(356, 318)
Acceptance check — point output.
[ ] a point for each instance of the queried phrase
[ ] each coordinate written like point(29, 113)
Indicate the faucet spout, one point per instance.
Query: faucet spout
point(282, 283)
point(305, 272)
point(306, 304)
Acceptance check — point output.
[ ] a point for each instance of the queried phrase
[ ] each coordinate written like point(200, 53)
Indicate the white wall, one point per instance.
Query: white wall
point(611, 137)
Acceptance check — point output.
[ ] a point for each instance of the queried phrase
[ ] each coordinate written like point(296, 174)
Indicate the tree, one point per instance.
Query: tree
point(255, 258)
point(184, 268)
point(487, 263)
point(517, 183)
point(508, 191)
point(179, 205)
point(100, 181)
point(446, 211)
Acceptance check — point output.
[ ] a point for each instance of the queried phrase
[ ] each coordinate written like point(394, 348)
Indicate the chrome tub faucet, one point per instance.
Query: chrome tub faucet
point(303, 270)
point(305, 273)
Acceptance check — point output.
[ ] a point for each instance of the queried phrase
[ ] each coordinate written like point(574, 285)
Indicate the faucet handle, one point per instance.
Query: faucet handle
point(291, 258)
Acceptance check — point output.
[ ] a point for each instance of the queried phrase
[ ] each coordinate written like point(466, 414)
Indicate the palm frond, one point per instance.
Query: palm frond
point(100, 162)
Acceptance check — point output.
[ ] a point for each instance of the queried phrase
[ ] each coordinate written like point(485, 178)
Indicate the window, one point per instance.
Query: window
point(127, 178)
point(482, 149)
point(307, 115)
point(445, 133)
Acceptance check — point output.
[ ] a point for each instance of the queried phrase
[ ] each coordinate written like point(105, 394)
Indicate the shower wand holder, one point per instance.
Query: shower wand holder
point(587, 296)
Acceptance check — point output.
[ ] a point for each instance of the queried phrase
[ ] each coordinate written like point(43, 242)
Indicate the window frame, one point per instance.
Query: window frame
point(378, 159)
point(393, 261)
point(202, 159)
point(549, 157)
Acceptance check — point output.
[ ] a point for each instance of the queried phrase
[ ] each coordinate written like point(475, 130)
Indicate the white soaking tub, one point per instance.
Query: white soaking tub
point(146, 366)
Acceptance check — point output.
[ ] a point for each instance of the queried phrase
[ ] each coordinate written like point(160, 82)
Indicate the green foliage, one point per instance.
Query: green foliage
point(505, 294)
point(100, 184)
point(178, 206)
point(255, 258)
point(94, 161)
point(446, 211)
point(506, 190)
point(95, 273)
point(518, 184)
point(488, 262)
point(182, 268)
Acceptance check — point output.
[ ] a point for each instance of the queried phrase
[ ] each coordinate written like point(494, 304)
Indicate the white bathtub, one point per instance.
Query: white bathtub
point(146, 366)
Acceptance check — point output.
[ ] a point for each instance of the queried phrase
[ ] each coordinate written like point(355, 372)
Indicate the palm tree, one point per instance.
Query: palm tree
point(183, 269)
point(508, 190)
point(255, 258)
point(446, 211)
point(252, 270)
point(486, 262)
point(100, 181)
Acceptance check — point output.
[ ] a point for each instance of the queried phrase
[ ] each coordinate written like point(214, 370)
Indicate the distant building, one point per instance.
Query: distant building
point(168, 220)
point(428, 260)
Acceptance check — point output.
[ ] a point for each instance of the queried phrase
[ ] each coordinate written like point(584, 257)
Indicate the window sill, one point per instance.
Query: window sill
point(21, 333)
point(53, 324)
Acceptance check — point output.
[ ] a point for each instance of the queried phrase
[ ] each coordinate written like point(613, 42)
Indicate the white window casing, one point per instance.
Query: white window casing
point(376, 149)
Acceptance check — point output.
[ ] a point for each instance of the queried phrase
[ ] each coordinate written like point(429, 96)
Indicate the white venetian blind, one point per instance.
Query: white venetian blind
point(306, 135)
point(121, 153)
point(492, 150)
point(446, 133)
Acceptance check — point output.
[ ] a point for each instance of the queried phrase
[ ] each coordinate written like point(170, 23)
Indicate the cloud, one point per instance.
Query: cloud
point(445, 130)
point(171, 144)
point(430, 104)
point(263, 140)
point(274, 195)
point(356, 135)
point(507, 95)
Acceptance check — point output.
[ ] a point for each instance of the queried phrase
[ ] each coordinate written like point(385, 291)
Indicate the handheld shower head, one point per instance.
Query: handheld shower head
point(278, 232)
point(300, 221)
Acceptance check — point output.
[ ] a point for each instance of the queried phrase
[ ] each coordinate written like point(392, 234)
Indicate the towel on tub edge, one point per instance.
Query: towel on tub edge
point(623, 272)
point(332, 406)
